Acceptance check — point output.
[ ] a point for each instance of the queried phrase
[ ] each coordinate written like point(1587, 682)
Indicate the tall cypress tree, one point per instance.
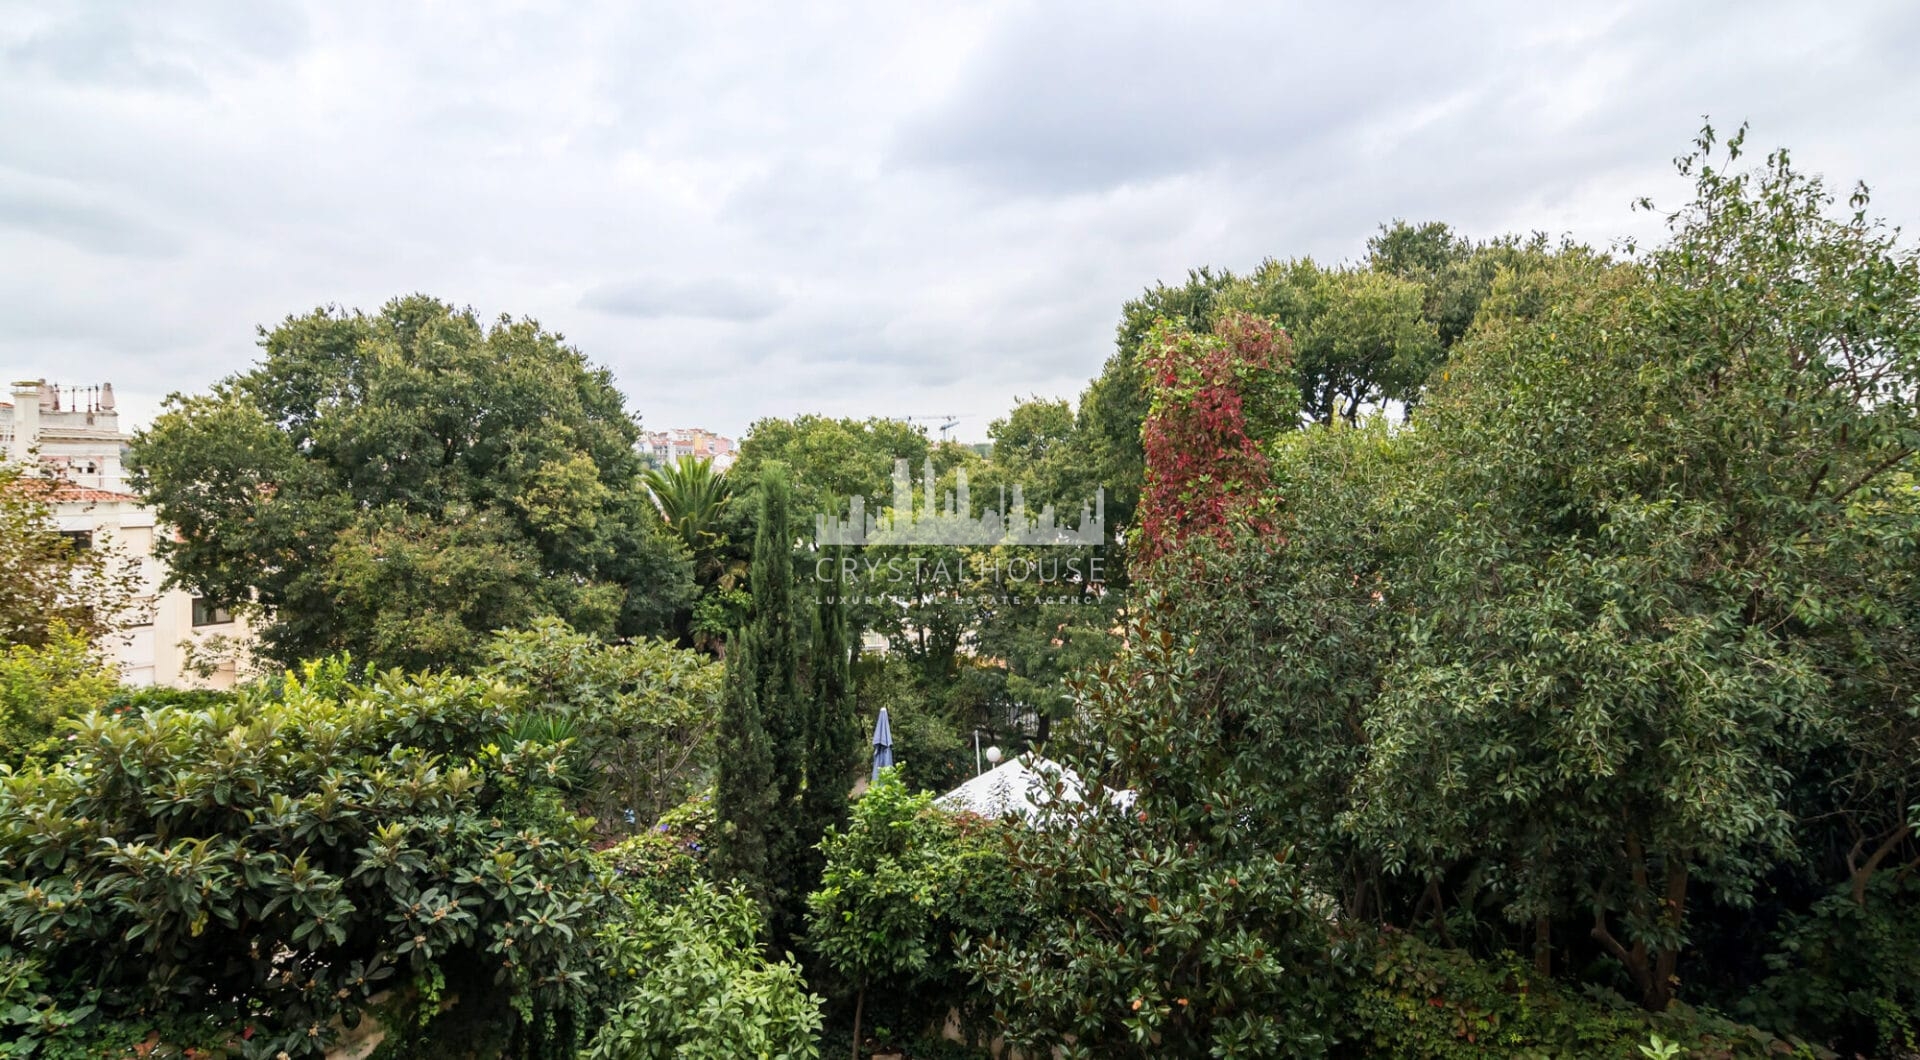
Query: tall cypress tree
point(777, 663)
point(744, 788)
point(832, 732)
point(787, 750)
point(762, 742)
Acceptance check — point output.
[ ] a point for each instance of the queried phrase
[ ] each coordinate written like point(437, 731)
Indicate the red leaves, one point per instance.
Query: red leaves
point(1204, 470)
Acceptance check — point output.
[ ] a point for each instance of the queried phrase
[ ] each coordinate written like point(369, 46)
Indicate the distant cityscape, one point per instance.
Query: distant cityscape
point(666, 447)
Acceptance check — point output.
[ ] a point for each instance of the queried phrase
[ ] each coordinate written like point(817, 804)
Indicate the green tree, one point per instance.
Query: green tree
point(693, 500)
point(830, 460)
point(639, 716)
point(1161, 925)
point(1054, 607)
point(1359, 336)
point(1033, 437)
point(262, 864)
point(400, 484)
point(696, 504)
point(744, 791)
point(1645, 600)
point(833, 734)
point(44, 684)
point(903, 880)
point(48, 587)
point(1455, 273)
point(1292, 621)
point(763, 743)
point(697, 985)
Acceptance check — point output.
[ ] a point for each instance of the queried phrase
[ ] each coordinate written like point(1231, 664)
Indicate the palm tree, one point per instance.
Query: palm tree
point(693, 499)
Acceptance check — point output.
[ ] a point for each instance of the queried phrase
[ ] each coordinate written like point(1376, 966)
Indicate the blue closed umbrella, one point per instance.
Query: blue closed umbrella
point(882, 744)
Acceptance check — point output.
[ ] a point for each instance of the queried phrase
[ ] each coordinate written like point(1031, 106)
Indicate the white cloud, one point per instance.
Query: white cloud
point(861, 211)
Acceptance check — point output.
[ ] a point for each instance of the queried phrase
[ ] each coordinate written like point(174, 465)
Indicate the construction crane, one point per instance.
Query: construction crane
point(947, 421)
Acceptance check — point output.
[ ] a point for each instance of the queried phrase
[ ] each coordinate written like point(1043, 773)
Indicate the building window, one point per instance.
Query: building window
point(207, 613)
point(78, 540)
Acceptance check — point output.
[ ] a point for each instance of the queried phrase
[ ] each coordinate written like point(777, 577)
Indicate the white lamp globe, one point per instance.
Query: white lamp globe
point(993, 755)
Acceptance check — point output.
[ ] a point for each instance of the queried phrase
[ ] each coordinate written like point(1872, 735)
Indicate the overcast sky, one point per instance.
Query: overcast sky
point(893, 210)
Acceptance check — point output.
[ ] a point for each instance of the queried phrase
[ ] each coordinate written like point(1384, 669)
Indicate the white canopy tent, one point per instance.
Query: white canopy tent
point(1008, 790)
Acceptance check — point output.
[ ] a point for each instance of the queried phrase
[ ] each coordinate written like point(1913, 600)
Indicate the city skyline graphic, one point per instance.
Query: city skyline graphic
point(947, 518)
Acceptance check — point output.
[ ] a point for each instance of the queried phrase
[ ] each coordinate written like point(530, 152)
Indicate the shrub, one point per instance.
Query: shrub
point(154, 697)
point(904, 881)
point(32, 1019)
point(40, 686)
point(667, 860)
point(1418, 1001)
point(1849, 972)
point(641, 715)
point(269, 863)
point(699, 985)
point(1168, 925)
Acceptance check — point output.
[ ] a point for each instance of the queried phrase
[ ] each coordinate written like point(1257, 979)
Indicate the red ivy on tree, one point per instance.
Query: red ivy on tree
point(1213, 396)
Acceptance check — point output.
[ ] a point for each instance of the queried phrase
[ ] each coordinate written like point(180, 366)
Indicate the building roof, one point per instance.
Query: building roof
point(1009, 789)
point(55, 491)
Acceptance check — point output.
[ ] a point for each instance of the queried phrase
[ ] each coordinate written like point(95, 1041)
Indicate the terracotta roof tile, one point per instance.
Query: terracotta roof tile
point(56, 491)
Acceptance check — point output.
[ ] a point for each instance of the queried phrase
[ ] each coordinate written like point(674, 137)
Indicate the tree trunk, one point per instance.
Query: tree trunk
point(1655, 973)
point(1863, 873)
point(1543, 946)
point(859, 1003)
point(1635, 959)
point(1674, 912)
point(1357, 898)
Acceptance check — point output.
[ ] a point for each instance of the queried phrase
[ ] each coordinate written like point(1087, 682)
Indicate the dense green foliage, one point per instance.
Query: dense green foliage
point(903, 883)
point(693, 500)
point(695, 503)
point(993, 632)
point(834, 741)
point(1619, 651)
point(1499, 648)
point(829, 460)
point(41, 686)
point(760, 733)
point(1416, 1000)
point(268, 864)
point(789, 741)
point(400, 484)
point(1158, 926)
point(1847, 970)
point(638, 716)
point(1604, 657)
point(695, 984)
point(668, 858)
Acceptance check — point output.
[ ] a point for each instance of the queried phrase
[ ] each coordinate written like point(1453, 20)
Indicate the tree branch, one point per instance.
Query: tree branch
point(1873, 473)
point(1880, 854)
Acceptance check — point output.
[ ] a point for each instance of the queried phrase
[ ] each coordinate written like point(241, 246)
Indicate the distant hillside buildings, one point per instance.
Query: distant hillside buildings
point(666, 447)
point(74, 433)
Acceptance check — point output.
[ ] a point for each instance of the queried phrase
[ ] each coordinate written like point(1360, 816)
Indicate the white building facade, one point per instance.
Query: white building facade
point(75, 433)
